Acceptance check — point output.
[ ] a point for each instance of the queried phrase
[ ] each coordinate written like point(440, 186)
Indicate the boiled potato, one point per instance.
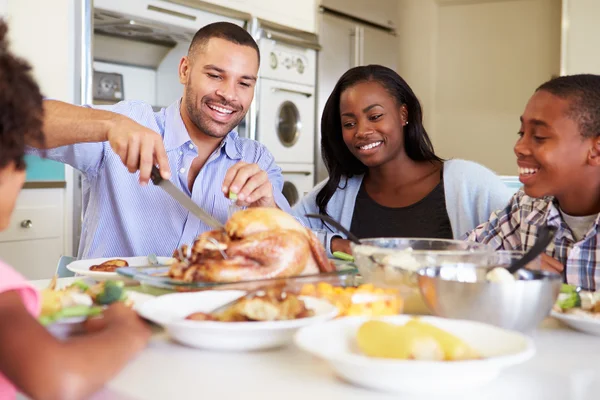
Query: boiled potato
point(454, 348)
point(385, 340)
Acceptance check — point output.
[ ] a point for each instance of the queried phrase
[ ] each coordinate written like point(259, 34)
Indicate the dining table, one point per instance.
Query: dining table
point(566, 366)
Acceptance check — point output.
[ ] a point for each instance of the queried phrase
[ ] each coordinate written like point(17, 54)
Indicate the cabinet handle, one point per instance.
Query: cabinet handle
point(26, 223)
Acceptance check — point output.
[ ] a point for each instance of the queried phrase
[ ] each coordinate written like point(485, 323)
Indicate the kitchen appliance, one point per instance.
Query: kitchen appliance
point(351, 33)
point(286, 104)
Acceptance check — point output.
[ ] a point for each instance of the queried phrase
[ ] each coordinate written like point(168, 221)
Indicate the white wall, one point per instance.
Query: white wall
point(168, 88)
point(474, 65)
point(417, 37)
point(46, 39)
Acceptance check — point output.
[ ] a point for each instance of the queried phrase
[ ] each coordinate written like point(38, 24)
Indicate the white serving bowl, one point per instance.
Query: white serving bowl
point(171, 310)
point(335, 342)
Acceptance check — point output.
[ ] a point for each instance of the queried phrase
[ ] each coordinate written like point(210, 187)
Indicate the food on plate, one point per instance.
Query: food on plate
point(415, 340)
point(256, 243)
point(78, 300)
point(270, 305)
point(571, 300)
point(109, 266)
point(499, 275)
point(365, 300)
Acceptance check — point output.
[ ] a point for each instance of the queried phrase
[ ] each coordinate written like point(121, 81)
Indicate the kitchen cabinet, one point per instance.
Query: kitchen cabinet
point(298, 14)
point(34, 239)
point(380, 12)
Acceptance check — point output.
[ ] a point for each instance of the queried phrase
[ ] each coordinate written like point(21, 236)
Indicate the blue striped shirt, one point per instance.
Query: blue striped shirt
point(121, 218)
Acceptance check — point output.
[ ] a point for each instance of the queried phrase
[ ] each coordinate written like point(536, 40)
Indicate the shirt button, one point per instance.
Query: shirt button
point(182, 170)
point(191, 146)
point(181, 153)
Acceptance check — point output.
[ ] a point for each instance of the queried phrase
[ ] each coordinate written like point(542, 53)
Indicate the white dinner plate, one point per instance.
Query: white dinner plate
point(335, 342)
point(582, 323)
point(82, 267)
point(171, 310)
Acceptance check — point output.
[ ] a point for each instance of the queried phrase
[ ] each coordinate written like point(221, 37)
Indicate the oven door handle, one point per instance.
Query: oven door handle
point(278, 89)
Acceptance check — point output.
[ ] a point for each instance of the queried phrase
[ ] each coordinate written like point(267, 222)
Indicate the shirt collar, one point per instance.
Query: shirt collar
point(176, 134)
point(547, 212)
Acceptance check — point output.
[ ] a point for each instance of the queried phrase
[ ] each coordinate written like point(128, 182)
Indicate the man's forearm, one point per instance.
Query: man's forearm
point(66, 124)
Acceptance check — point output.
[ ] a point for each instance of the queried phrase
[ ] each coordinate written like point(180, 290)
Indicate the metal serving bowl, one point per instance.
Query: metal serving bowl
point(461, 291)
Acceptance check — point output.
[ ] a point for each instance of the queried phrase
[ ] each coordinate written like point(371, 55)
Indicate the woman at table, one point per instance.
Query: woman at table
point(385, 179)
point(31, 359)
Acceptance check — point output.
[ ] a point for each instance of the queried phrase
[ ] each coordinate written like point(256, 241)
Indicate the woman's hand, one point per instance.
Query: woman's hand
point(339, 244)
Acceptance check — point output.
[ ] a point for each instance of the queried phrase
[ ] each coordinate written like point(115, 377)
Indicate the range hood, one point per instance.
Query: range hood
point(139, 29)
point(142, 32)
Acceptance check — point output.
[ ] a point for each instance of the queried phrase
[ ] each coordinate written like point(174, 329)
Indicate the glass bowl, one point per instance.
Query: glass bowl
point(364, 300)
point(394, 262)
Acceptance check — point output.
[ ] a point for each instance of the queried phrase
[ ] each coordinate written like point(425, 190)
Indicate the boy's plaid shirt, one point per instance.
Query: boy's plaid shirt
point(516, 228)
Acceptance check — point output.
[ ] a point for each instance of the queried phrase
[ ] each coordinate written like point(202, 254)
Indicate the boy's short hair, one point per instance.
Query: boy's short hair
point(21, 111)
point(583, 93)
point(223, 30)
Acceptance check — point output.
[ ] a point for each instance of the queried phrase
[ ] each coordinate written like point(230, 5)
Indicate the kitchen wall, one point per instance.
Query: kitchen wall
point(474, 65)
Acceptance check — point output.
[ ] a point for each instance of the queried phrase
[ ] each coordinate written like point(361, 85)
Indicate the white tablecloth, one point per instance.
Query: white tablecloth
point(566, 366)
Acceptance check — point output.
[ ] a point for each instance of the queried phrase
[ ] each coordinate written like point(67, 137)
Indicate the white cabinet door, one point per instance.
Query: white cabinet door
point(34, 259)
point(34, 240)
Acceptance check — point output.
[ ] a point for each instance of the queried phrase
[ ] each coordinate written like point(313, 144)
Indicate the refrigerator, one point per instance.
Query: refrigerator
point(351, 33)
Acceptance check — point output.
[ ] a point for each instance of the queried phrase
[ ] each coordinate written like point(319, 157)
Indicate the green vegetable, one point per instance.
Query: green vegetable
point(232, 196)
point(81, 285)
point(78, 311)
point(568, 289)
point(70, 312)
point(45, 320)
point(568, 300)
point(113, 291)
point(343, 256)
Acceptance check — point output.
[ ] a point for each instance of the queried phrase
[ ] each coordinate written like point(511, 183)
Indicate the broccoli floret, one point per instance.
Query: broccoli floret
point(113, 291)
point(568, 289)
point(568, 300)
point(80, 285)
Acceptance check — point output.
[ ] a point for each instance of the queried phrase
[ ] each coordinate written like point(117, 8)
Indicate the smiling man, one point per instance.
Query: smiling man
point(192, 141)
point(558, 155)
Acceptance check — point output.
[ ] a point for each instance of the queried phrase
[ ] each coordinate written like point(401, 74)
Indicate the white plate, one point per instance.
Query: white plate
point(82, 267)
point(581, 323)
point(335, 342)
point(66, 327)
point(170, 311)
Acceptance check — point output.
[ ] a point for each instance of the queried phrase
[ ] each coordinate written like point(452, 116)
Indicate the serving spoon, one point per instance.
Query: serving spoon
point(545, 236)
point(352, 237)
